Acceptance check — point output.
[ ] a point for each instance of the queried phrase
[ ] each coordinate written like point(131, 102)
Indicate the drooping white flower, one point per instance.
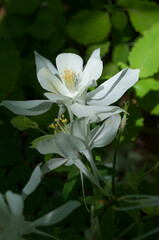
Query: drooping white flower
point(65, 85)
point(13, 225)
point(79, 139)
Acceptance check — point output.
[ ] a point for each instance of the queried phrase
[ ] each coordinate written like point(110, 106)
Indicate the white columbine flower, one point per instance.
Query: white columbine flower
point(79, 139)
point(13, 224)
point(67, 85)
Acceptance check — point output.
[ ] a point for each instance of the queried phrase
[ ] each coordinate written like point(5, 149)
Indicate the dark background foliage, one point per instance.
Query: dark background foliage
point(127, 31)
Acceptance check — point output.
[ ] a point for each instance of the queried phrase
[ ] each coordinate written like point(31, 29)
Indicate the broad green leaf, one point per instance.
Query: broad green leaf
point(70, 183)
point(120, 53)
point(143, 14)
point(104, 48)
point(119, 19)
point(145, 53)
point(143, 86)
point(22, 123)
point(110, 69)
point(9, 68)
point(88, 27)
point(150, 102)
point(108, 225)
point(21, 7)
point(155, 110)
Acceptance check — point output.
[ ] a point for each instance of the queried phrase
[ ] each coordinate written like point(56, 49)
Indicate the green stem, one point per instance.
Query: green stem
point(114, 163)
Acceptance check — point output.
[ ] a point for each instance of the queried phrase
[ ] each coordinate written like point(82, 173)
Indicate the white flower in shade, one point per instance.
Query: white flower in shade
point(65, 85)
point(13, 225)
point(79, 139)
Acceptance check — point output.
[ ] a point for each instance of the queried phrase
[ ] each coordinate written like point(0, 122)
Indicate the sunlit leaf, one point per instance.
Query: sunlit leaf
point(88, 27)
point(145, 53)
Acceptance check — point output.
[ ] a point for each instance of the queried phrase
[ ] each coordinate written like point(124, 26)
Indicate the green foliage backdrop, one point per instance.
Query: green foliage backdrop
point(127, 31)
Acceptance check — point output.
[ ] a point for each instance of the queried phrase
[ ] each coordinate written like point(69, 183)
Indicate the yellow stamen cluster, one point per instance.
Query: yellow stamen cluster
point(69, 76)
point(60, 125)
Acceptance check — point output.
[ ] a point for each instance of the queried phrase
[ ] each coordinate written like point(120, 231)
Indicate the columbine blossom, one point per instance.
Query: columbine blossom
point(67, 86)
point(12, 221)
point(13, 224)
point(76, 138)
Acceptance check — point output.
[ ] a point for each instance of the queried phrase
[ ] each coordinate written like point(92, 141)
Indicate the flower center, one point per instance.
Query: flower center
point(70, 78)
point(60, 125)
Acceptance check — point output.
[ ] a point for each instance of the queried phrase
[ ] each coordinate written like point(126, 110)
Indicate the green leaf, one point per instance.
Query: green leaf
point(108, 225)
point(37, 140)
point(21, 7)
point(149, 103)
point(145, 53)
point(22, 123)
point(70, 184)
point(120, 53)
point(145, 85)
point(143, 15)
point(119, 19)
point(9, 68)
point(131, 179)
point(88, 27)
point(104, 48)
point(109, 70)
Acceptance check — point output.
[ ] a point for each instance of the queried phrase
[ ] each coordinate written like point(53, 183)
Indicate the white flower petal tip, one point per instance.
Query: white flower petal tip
point(42, 62)
point(96, 53)
point(111, 90)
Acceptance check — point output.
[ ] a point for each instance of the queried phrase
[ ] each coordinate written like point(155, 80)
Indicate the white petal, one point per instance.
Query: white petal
point(33, 182)
point(92, 72)
point(65, 145)
point(42, 62)
point(58, 214)
point(58, 98)
point(53, 164)
point(80, 128)
point(28, 108)
point(69, 61)
point(51, 83)
point(78, 163)
point(111, 90)
point(94, 113)
point(95, 54)
point(4, 213)
point(106, 133)
point(15, 203)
